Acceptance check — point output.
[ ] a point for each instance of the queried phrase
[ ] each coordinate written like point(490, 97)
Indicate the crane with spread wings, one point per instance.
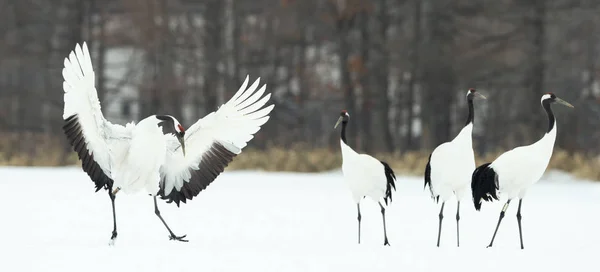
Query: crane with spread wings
point(157, 154)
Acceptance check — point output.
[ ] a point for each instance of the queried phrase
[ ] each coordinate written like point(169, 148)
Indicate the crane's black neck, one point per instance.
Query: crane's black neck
point(471, 113)
point(344, 123)
point(551, 119)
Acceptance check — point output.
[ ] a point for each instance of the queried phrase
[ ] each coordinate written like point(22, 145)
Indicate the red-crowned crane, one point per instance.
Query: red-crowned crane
point(513, 172)
point(448, 171)
point(366, 176)
point(157, 154)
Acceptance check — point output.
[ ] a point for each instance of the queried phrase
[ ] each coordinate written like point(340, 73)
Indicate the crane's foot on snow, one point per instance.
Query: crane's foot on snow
point(386, 243)
point(178, 238)
point(113, 239)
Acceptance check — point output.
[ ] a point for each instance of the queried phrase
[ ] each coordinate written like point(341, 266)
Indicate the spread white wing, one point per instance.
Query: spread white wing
point(212, 143)
point(91, 135)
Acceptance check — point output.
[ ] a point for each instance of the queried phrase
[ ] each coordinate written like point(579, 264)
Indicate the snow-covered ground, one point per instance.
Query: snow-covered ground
point(256, 221)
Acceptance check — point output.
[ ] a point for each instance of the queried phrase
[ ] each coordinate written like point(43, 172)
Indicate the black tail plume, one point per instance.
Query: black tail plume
point(391, 178)
point(428, 180)
point(484, 185)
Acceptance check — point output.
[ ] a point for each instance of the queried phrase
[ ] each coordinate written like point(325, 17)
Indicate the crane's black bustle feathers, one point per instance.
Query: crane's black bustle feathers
point(428, 179)
point(484, 184)
point(212, 164)
point(74, 133)
point(391, 184)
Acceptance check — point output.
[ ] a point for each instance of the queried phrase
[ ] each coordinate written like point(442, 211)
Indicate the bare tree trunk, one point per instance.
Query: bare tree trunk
point(439, 78)
point(234, 82)
point(101, 59)
point(383, 104)
point(212, 46)
point(236, 47)
point(344, 22)
point(153, 45)
point(363, 70)
point(535, 77)
point(414, 76)
point(303, 91)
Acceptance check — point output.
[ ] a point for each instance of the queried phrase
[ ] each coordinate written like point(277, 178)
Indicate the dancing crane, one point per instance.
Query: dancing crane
point(366, 176)
point(513, 172)
point(448, 171)
point(157, 154)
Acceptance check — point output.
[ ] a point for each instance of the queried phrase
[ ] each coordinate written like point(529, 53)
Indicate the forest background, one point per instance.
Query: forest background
point(400, 67)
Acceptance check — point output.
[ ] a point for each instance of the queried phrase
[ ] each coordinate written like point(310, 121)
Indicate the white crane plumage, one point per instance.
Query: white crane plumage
point(448, 171)
point(513, 172)
point(366, 176)
point(147, 155)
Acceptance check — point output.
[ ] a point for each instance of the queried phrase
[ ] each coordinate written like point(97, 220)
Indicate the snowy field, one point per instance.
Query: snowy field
point(255, 221)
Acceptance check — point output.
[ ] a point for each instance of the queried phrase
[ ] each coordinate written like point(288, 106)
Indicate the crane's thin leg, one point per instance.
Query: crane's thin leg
point(173, 236)
point(441, 216)
point(113, 238)
point(499, 220)
point(457, 227)
point(519, 221)
point(359, 217)
point(385, 241)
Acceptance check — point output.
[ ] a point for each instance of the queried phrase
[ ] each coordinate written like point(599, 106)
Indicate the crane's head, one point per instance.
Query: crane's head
point(170, 125)
point(551, 98)
point(344, 116)
point(472, 93)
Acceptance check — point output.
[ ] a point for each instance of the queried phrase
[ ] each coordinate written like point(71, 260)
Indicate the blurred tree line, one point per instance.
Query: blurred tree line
point(400, 67)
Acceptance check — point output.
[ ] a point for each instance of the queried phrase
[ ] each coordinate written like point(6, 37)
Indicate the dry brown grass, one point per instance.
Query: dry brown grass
point(411, 163)
point(43, 150)
point(287, 160)
point(34, 149)
point(582, 166)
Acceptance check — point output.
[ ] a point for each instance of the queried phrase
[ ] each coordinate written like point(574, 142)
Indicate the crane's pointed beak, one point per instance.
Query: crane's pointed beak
point(480, 95)
point(182, 144)
point(564, 102)
point(338, 122)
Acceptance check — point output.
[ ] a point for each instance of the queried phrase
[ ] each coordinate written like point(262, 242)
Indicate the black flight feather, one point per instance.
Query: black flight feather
point(74, 133)
point(213, 163)
point(391, 184)
point(484, 185)
point(428, 180)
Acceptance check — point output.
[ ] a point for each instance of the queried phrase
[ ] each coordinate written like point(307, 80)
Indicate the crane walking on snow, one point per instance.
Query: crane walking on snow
point(448, 171)
point(366, 176)
point(157, 154)
point(513, 172)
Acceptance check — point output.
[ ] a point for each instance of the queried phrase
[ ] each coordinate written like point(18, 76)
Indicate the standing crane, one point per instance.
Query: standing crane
point(516, 170)
point(366, 176)
point(450, 166)
point(157, 154)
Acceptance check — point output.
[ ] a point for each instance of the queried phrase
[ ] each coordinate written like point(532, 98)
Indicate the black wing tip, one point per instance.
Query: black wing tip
point(391, 182)
point(213, 163)
point(74, 133)
point(427, 176)
point(484, 185)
